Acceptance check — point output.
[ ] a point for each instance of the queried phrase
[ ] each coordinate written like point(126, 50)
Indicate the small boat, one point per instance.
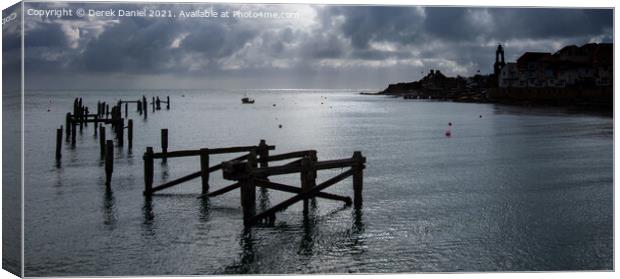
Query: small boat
point(247, 100)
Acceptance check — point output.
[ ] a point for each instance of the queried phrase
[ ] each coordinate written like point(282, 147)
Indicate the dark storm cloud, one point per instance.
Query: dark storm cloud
point(365, 24)
point(345, 41)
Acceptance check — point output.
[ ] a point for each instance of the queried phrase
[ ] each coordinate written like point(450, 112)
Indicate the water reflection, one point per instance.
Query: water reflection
point(247, 243)
point(309, 224)
point(147, 211)
point(263, 199)
point(205, 207)
point(165, 173)
point(109, 208)
point(358, 224)
point(147, 226)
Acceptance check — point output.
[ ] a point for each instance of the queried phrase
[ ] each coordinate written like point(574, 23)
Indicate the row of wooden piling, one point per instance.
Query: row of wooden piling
point(81, 116)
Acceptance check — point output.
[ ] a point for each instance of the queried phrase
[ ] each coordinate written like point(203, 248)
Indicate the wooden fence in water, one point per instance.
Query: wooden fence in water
point(252, 170)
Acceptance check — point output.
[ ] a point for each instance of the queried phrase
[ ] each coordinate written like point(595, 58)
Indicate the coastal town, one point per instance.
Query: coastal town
point(572, 76)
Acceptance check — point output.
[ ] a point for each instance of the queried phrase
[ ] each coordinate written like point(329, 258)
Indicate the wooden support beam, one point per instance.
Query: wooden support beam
point(59, 143)
point(148, 171)
point(73, 132)
point(212, 151)
point(68, 121)
point(295, 190)
point(164, 145)
point(224, 190)
point(293, 163)
point(120, 130)
point(102, 140)
point(285, 204)
point(95, 124)
point(144, 107)
point(183, 179)
point(358, 178)
point(248, 190)
point(130, 133)
point(263, 154)
point(290, 155)
point(176, 182)
point(204, 169)
point(109, 162)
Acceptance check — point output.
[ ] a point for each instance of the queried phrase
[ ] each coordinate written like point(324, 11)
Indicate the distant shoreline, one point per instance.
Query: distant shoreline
point(588, 100)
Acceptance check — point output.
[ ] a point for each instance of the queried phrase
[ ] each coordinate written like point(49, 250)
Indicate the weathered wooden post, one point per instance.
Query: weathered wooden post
point(102, 140)
point(248, 189)
point(167, 102)
point(144, 107)
point(75, 106)
point(153, 103)
point(130, 133)
point(81, 116)
point(204, 169)
point(164, 144)
point(107, 110)
point(307, 177)
point(263, 154)
point(126, 109)
point(109, 161)
point(139, 106)
point(73, 131)
point(358, 178)
point(120, 130)
point(95, 124)
point(68, 124)
point(85, 118)
point(148, 171)
point(59, 143)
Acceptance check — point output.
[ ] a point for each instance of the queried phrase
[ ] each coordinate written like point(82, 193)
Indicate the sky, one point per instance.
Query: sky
point(358, 47)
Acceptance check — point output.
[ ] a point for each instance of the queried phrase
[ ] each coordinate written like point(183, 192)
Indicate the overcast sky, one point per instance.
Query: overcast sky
point(325, 47)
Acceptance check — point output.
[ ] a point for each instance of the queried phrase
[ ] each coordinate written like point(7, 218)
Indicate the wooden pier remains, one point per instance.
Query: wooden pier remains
point(252, 170)
point(104, 114)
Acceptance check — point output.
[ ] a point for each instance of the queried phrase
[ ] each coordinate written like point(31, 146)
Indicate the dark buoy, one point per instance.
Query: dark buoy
point(448, 133)
point(280, 126)
point(449, 123)
point(480, 116)
point(274, 105)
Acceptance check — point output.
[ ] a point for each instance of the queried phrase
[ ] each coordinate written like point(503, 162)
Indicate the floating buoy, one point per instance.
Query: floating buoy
point(480, 116)
point(449, 123)
point(274, 105)
point(448, 133)
point(280, 126)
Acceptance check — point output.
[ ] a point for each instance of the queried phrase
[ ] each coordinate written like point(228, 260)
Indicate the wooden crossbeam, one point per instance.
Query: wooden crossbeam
point(290, 155)
point(296, 190)
point(312, 192)
point(293, 168)
point(184, 179)
point(176, 181)
point(212, 151)
point(223, 190)
point(296, 162)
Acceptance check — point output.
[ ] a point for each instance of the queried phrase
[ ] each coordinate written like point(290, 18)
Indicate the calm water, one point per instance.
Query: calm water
point(518, 189)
